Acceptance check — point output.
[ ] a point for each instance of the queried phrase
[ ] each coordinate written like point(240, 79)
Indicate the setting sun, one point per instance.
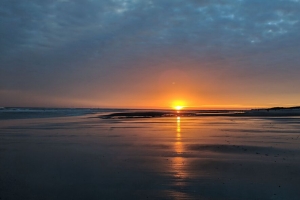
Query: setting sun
point(178, 107)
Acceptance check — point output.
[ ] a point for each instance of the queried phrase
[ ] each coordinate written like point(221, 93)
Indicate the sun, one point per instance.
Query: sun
point(178, 107)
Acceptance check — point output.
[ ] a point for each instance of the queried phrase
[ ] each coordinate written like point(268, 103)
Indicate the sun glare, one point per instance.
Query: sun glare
point(178, 107)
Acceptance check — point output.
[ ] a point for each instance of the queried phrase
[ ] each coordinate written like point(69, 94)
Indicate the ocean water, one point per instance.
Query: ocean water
point(79, 154)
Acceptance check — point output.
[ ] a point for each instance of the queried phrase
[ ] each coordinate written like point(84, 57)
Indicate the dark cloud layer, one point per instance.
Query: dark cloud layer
point(71, 48)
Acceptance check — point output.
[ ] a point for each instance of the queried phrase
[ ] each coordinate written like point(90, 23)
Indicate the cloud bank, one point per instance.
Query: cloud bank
point(109, 49)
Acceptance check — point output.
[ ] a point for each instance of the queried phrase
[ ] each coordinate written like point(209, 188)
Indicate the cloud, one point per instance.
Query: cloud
point(49, 43)
point(57, 24)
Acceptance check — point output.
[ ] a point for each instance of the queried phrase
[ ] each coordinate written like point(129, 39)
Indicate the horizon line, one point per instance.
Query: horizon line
point(204, 107)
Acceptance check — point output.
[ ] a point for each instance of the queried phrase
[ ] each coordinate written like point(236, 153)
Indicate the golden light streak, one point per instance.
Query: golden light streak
point(178, 162)
point(178, 128)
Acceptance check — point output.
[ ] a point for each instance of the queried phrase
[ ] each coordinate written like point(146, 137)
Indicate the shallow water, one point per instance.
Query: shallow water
point(80, 157)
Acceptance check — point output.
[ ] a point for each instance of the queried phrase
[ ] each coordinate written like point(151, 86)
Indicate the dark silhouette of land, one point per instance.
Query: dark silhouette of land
point(275, 111)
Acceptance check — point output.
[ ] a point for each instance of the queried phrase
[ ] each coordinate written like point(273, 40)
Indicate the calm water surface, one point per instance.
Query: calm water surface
point(80, 157)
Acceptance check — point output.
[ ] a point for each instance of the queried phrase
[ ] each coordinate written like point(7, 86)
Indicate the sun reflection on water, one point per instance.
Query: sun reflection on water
point(178, 159)
point(178, 136)
point(179, 165)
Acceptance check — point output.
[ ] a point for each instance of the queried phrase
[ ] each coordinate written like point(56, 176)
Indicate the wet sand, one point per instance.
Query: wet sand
point(86, 157)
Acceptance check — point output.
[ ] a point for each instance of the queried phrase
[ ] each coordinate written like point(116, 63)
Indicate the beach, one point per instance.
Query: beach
point(87, 156)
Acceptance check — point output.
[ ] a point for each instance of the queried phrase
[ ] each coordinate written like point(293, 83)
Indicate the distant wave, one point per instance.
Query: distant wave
point(26, 113)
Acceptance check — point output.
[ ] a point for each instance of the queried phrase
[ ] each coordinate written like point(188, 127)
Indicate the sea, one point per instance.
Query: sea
point(95, 153)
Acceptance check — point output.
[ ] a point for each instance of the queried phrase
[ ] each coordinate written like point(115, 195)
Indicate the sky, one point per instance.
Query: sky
point(150, 53)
